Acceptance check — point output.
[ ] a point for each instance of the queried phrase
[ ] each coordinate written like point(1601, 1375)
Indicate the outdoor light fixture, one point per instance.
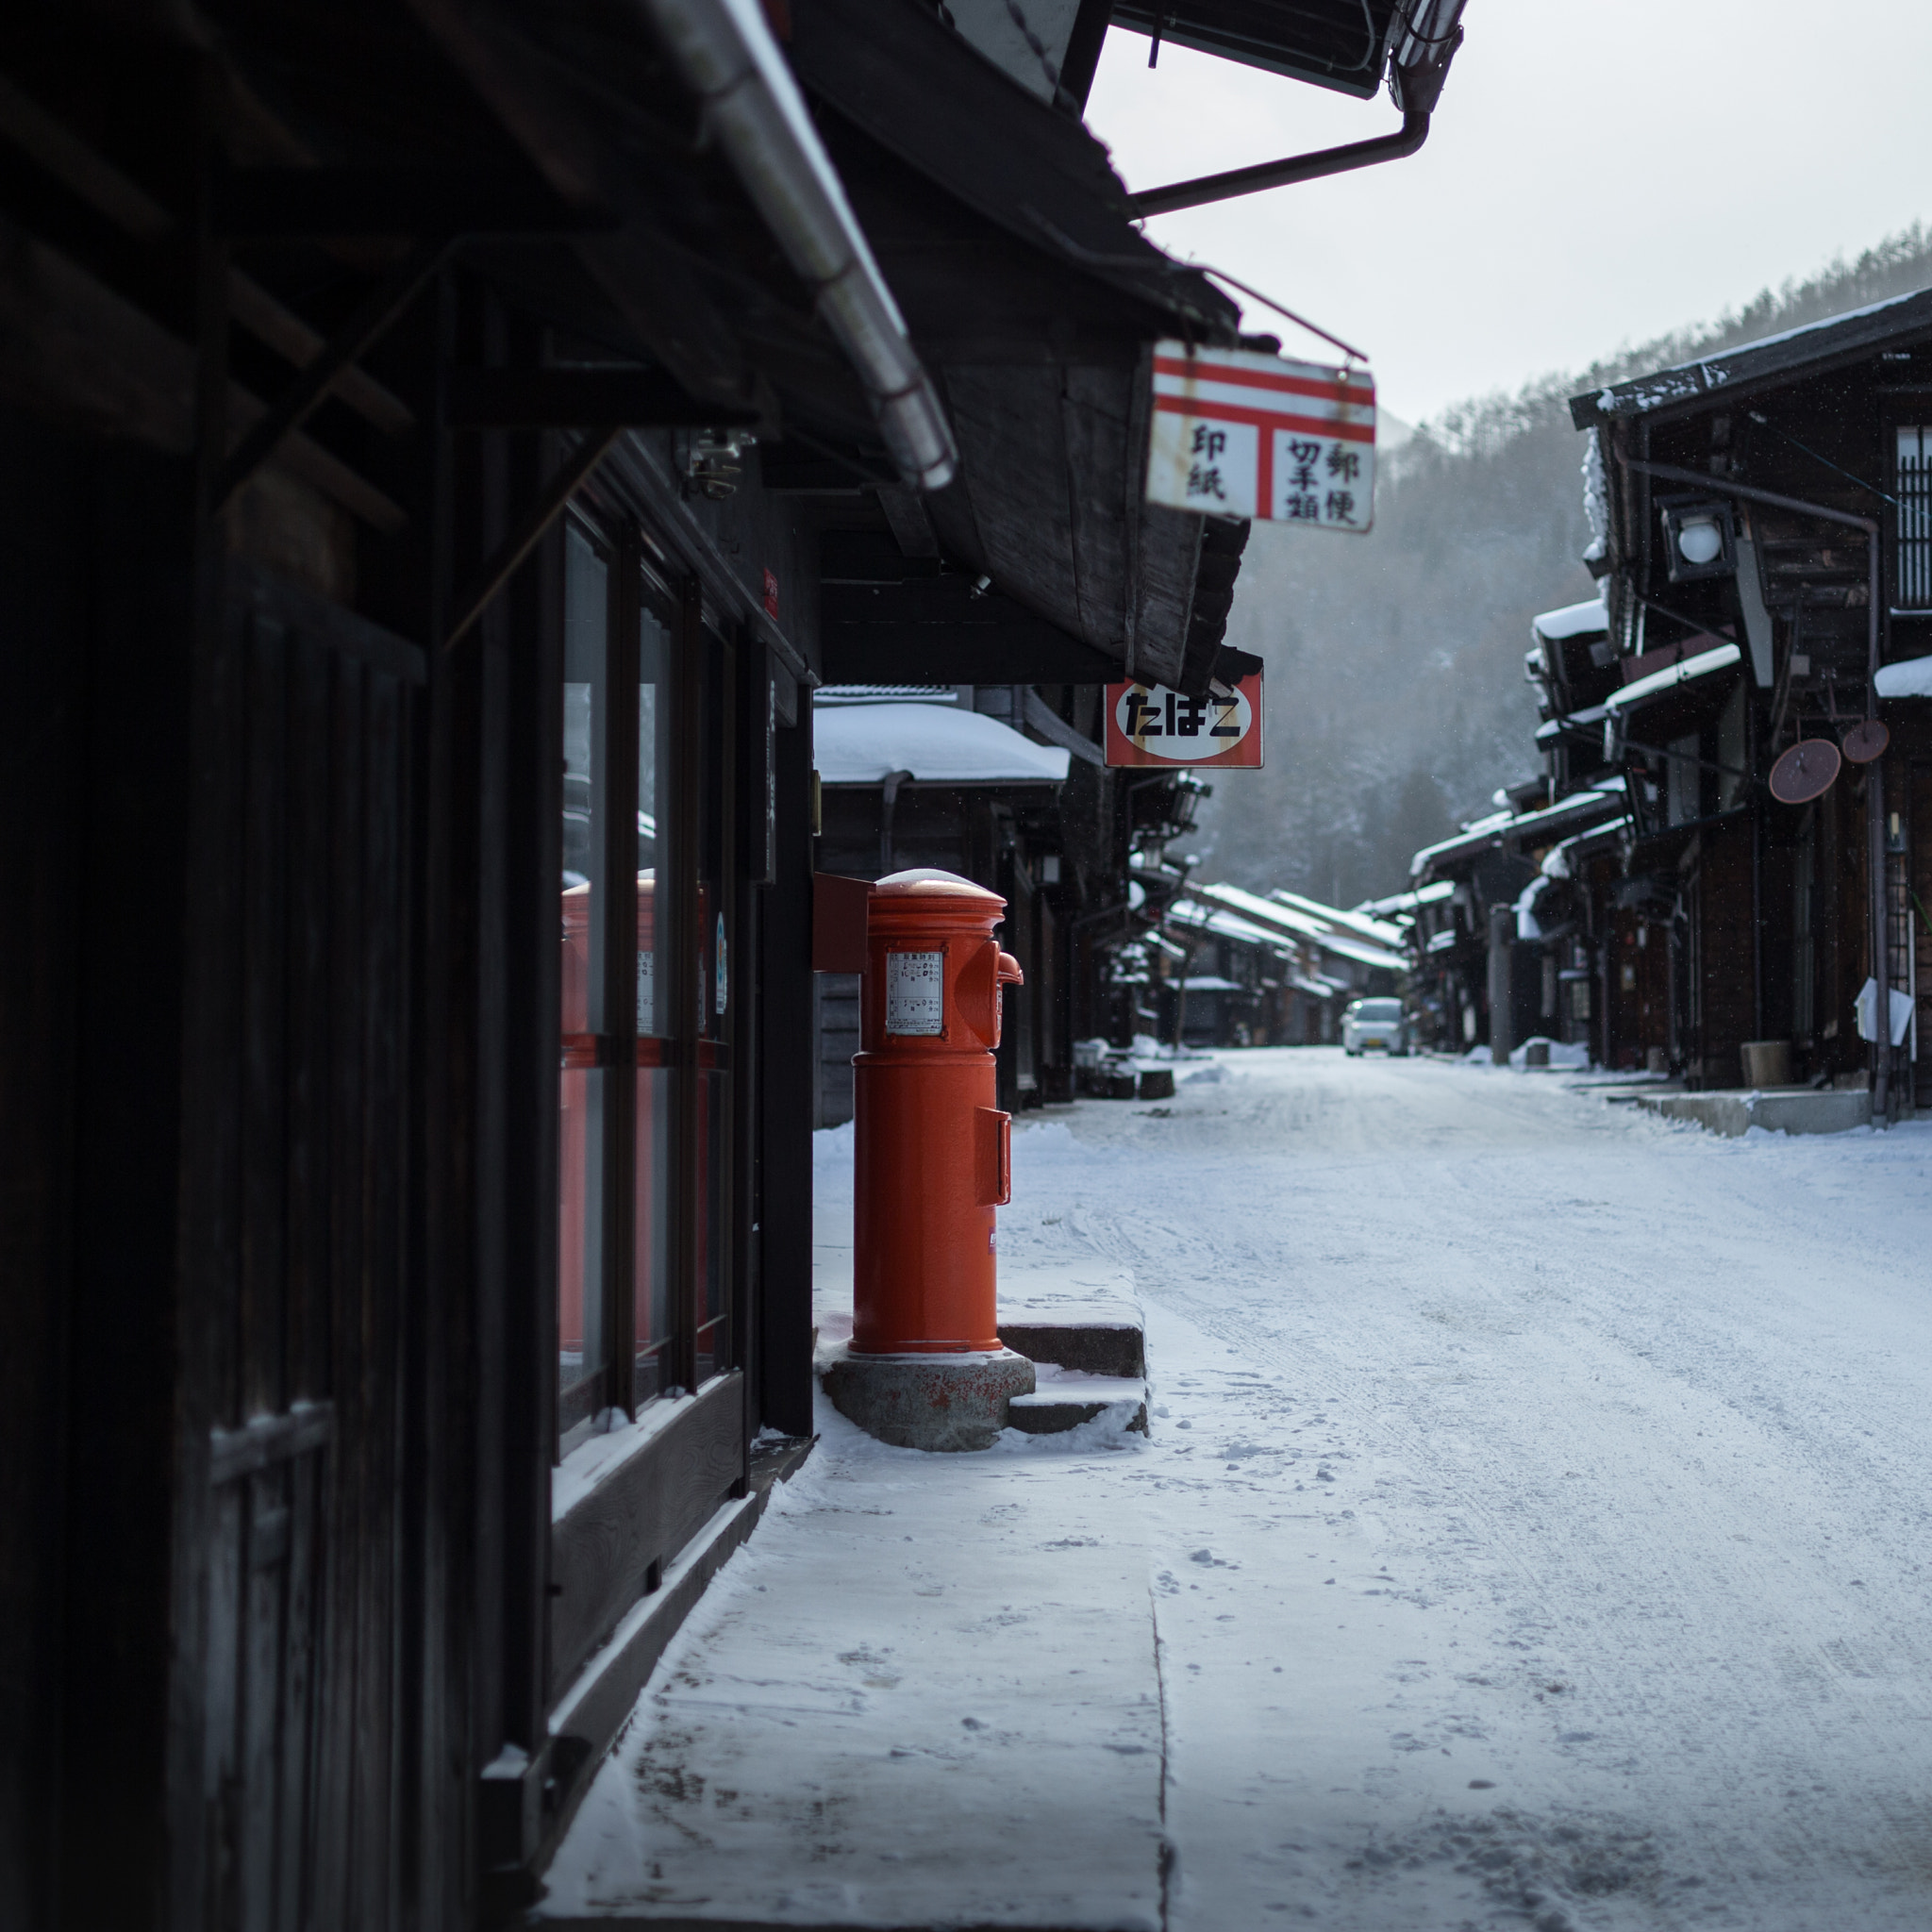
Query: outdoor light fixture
point(1699, 540)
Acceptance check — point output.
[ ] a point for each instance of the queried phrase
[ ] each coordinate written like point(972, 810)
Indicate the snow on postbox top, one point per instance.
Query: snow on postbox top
point(1239, 434)
point(930, 881)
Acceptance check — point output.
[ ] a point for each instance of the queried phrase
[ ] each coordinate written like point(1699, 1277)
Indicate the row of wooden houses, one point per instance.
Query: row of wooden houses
point(1722, 868)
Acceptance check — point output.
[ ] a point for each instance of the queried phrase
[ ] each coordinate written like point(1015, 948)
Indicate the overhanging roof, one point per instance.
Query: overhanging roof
point(1009, 243)
point(1814, 348)
point(1335, 43)
point(1580, 810)
point(1646, 690)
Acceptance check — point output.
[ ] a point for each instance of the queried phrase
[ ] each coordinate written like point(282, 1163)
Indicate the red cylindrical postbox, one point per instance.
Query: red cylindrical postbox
point(933, 1152)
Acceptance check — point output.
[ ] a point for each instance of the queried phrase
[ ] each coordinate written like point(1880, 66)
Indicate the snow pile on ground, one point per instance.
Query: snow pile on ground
point(1556, 1053)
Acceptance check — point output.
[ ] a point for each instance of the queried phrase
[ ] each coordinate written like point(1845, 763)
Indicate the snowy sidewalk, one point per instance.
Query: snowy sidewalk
point(925, 1694)
point(1535, 1524)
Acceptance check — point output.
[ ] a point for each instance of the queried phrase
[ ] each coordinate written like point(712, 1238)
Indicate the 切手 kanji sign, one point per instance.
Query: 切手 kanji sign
point(1149, 724)
point(1246, 435)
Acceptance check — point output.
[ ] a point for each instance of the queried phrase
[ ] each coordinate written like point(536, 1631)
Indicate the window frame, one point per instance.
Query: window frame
point(702, 758)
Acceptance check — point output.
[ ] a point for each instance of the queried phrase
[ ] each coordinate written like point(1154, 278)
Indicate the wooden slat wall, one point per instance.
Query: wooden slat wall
point(298, 1679)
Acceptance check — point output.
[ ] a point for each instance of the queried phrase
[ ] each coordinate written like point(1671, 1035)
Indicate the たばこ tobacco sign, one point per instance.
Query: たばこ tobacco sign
point(1149, 724)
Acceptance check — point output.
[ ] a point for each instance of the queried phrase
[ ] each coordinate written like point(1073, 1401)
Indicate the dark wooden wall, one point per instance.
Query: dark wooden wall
point(94, 640)
point(299, 1178)
point(1727, 905)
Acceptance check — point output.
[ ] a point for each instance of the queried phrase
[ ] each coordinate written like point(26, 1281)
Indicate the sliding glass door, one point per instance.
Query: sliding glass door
point(650, 988)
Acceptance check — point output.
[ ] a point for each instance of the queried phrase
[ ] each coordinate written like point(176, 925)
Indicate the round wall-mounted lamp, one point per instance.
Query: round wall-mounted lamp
point(1699, 540)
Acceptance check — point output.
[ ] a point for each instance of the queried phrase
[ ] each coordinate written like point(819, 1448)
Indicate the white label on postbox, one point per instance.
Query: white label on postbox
point(915, 992)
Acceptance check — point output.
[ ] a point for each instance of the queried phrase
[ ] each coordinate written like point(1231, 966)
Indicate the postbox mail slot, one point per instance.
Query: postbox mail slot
point(916, 993)
point(996, 1157)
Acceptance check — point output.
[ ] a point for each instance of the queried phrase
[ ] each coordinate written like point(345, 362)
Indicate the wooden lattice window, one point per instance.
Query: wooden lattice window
point(1912, 480)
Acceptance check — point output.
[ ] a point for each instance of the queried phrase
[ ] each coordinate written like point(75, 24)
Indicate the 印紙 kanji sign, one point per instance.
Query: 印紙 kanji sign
point(1149, 724)
point(1246, 435)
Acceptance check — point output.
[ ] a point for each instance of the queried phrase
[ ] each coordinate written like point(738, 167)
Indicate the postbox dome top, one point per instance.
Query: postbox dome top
point(928, 881)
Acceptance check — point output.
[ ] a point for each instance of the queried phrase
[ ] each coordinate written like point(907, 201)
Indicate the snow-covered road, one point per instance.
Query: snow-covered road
point(1535, 1526)
point(1538, 1498)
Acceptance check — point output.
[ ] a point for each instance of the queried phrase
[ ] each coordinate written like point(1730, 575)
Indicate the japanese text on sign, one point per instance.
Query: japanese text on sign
point(916, 993)
point(1244, 435)
point(1149, 724)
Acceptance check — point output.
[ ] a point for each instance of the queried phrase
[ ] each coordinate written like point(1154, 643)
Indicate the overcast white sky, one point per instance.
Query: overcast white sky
point(1599, 171)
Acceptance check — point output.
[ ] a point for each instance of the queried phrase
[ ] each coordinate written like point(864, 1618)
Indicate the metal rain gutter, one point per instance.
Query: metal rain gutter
point(1328, 160)
point(1417, 66)
point(724, 52)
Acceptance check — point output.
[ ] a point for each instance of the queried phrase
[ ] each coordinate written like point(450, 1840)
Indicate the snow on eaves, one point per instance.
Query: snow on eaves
point(1356, 921)
point(1808, 342)
point(1683, 671)
point(1346, 937)
point(862, 744)
point(1402, 905)
point(1600, 804)
point(1573, 621)
point(1911, 679)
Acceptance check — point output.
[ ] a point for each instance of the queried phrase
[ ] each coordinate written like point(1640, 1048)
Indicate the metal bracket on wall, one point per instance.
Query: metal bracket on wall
point(528, 532)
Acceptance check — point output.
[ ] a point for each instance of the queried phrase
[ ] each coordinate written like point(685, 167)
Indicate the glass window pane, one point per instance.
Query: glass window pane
point(712, 940)
point(718, 998)
point(654, 1312)
point(714, 1225)
point(581, 1342)
point(653, 1309)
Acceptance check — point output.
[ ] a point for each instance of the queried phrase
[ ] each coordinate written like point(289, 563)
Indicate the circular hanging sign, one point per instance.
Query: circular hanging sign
point(1805, 772)
point(1867, 740)
point(1163, 728)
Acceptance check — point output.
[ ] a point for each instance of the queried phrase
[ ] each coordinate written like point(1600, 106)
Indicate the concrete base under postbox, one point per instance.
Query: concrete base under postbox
point(943, 1402)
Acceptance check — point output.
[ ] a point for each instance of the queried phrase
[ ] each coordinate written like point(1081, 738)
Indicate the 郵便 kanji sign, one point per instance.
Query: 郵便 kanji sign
point(1244, 435)
point(1149, 724)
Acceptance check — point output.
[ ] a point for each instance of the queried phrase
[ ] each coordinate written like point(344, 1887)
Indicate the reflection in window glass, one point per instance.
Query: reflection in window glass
point(714, 1223)
point(716, 1004)
point(651, 1308)
point(581, 1342)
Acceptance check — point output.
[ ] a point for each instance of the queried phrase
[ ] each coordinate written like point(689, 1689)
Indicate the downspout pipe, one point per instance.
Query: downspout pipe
point(1310, 167)
point(725, 53)
point(1876, 908)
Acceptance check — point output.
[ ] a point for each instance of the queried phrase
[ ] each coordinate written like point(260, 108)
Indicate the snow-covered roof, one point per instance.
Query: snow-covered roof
point(1572, 621)
point(1192, 911)
point(1672, 676)
point(1473, 837)
point(861, 744)
point(1911, 679)
point(1356, 921)
point(1317, 927)
point(1600, 802)
point(1574, 721)
point(1769, 356)
point(1212, 982)
point(1399, 903)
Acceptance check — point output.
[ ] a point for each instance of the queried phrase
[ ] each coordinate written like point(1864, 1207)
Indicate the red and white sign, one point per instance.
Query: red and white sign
point(1149, 724)
point(1243, 435)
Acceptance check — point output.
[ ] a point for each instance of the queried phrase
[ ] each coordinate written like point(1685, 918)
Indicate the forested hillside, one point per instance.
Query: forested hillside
point(1397, 700)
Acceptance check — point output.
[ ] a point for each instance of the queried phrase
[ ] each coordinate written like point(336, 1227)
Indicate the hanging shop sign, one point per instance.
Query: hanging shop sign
point(1149, 724)
point(1244, 435)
